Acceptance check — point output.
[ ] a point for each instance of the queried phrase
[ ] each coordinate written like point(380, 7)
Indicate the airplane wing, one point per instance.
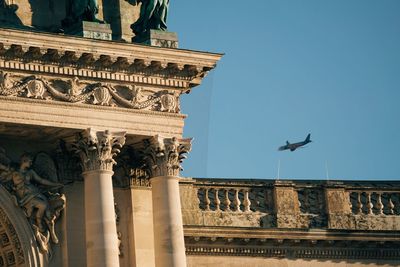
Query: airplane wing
point(281, 148)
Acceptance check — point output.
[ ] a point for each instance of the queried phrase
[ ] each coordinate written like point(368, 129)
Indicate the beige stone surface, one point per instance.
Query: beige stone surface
point(75, 224)
point(206, 261)
point(70, 116)
point(101, 231)
point(167, 219)
point(142, 220)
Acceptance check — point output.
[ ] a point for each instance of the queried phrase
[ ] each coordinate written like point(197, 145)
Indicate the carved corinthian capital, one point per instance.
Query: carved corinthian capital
point(97, 149)
point(163, 156)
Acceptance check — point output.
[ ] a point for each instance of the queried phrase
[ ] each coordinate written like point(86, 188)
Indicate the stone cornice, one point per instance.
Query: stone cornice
point(282, 243)
point(292, 234)
point(353, 184)
point(127, 58)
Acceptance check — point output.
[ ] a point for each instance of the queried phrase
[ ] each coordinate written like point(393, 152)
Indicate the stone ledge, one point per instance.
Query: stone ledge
point(228, 241)
point(80, 117)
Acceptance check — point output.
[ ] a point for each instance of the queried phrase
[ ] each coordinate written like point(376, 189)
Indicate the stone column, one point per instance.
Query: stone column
point(163, 157)
point(97, 149)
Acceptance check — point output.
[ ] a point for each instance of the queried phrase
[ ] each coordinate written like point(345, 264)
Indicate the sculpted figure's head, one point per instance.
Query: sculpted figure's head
point(26, 161)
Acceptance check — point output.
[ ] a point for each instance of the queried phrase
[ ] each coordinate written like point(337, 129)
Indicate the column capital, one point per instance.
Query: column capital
point(163, 156)
point(97, 149)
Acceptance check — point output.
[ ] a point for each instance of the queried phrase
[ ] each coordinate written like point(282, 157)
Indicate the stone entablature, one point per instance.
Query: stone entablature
point(291, 244)
point(75, 83)
point(292, 219)
point(114, 61)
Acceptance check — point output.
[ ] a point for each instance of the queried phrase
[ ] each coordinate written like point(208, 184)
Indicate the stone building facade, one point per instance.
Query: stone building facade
point(91, 142)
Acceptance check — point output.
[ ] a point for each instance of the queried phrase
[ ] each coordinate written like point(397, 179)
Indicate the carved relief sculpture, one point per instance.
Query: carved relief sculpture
point(97, 149)
point(36, 195)
point(76, 91)
point(164, 156)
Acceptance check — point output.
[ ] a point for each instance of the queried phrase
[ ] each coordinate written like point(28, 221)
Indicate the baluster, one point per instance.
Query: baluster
point(207, 201)
point(369, 204)
point(217, 201)
point(246, 201)
point(390, 205)
point(227, 202)
point(379, 204)
point(358, 207)
point(236, 201)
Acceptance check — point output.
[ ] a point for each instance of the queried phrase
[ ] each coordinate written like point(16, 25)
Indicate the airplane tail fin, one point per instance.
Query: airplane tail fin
point(308, 138)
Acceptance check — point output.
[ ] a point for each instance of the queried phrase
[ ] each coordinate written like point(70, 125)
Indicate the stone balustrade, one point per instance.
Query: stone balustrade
point(375, 202)
point(298, 219)
point(233, 199)
point(298, 204)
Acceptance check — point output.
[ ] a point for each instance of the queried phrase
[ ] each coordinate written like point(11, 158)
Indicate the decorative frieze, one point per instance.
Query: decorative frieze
point(97, 149)
point(75, 90)
point(163, 156)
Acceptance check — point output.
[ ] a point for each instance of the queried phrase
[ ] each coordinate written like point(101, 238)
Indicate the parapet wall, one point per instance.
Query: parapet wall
point(292, 204)
point(291, 220)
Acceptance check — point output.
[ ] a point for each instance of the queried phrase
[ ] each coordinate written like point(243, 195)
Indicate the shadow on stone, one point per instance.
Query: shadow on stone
point(8, 16)
point(112, 15)
point(47, 14)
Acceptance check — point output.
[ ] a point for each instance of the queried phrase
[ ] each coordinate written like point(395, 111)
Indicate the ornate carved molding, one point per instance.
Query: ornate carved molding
point(292, 243)
point(11, 249)
point(78, 91)
point(97, 149)
point(63, 53)
point(323, 253)
point(163, 156)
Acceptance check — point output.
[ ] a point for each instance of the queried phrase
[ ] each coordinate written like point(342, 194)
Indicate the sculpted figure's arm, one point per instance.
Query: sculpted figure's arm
point(42, 181)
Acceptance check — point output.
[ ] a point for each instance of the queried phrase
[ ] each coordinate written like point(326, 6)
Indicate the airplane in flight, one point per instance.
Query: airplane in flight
point(294, 146)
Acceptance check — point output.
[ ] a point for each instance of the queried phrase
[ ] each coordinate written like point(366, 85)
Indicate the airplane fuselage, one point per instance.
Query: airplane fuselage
point(294, 146)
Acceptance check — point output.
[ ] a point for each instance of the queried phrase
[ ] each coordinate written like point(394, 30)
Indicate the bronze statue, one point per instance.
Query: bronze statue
point(153, 15)
point(80, 10)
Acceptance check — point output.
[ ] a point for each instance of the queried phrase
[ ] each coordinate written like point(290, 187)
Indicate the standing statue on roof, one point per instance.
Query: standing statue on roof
point(153, 16)
point(81, 10)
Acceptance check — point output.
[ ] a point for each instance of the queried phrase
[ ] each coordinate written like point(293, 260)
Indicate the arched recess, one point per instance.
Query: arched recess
point(18, 245)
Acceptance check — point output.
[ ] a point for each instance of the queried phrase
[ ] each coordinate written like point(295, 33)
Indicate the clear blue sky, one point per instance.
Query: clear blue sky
point(331, 68)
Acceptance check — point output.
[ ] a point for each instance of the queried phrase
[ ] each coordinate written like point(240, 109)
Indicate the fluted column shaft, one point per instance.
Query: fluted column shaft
point(97, 149)
point(163, 158)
